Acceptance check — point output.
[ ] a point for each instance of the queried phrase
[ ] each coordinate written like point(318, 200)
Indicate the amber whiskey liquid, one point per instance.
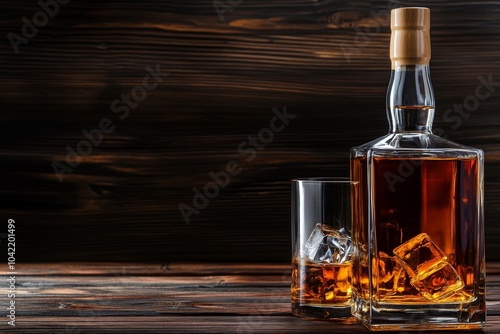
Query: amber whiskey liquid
point(321, 284)
point(412, 196)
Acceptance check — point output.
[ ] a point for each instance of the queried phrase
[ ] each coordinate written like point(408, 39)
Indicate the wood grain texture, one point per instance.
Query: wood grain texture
point(225, 78)
point(175, 298)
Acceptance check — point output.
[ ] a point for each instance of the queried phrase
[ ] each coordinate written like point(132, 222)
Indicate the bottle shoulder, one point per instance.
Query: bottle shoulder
point(415, 144)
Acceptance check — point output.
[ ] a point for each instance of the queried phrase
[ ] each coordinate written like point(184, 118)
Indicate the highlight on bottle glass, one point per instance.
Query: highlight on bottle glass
point(322, 249)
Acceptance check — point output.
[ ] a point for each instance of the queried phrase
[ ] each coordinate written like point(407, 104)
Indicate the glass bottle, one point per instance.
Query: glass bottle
point(417, 206)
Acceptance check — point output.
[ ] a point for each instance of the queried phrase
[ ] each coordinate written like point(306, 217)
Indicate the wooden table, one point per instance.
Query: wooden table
point(171, 298)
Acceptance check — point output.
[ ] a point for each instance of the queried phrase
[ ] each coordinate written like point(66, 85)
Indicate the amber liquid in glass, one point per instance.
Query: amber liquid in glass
point(438, 197)
point(321, 284)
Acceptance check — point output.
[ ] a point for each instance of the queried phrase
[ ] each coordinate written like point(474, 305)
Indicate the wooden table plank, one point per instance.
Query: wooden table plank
point(173, 298)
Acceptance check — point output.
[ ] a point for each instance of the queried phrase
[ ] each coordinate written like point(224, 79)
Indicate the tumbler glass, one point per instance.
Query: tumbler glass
point(322, 249)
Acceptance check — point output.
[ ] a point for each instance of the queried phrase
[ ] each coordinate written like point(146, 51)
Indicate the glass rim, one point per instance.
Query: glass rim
point(321, 179)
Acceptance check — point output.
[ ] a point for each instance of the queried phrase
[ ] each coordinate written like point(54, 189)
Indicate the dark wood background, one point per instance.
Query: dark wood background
point(225, 77)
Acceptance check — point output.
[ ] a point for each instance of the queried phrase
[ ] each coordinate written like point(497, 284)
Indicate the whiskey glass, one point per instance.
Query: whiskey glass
point(321, 284)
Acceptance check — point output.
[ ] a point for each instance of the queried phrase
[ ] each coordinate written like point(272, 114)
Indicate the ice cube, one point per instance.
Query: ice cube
point(328, 244)
point(326, 283)
point(315, 240)
point(419, 255)
point(427, 265)
point(391, 276)
point(338, 282)
point(440, 283)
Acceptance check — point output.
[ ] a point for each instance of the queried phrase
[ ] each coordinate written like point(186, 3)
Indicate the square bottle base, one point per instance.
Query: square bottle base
point(420, 317)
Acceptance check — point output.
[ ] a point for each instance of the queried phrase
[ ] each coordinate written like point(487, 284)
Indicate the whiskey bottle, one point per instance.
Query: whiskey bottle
point(417, 206)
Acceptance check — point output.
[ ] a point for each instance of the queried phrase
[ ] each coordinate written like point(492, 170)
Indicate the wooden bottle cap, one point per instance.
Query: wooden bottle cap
point(410, 38)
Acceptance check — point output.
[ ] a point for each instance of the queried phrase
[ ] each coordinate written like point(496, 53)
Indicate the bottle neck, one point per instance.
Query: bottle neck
point(410, 99)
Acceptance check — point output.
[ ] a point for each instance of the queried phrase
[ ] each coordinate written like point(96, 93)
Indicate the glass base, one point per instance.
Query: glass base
point(419, 317)
point(322, 312)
